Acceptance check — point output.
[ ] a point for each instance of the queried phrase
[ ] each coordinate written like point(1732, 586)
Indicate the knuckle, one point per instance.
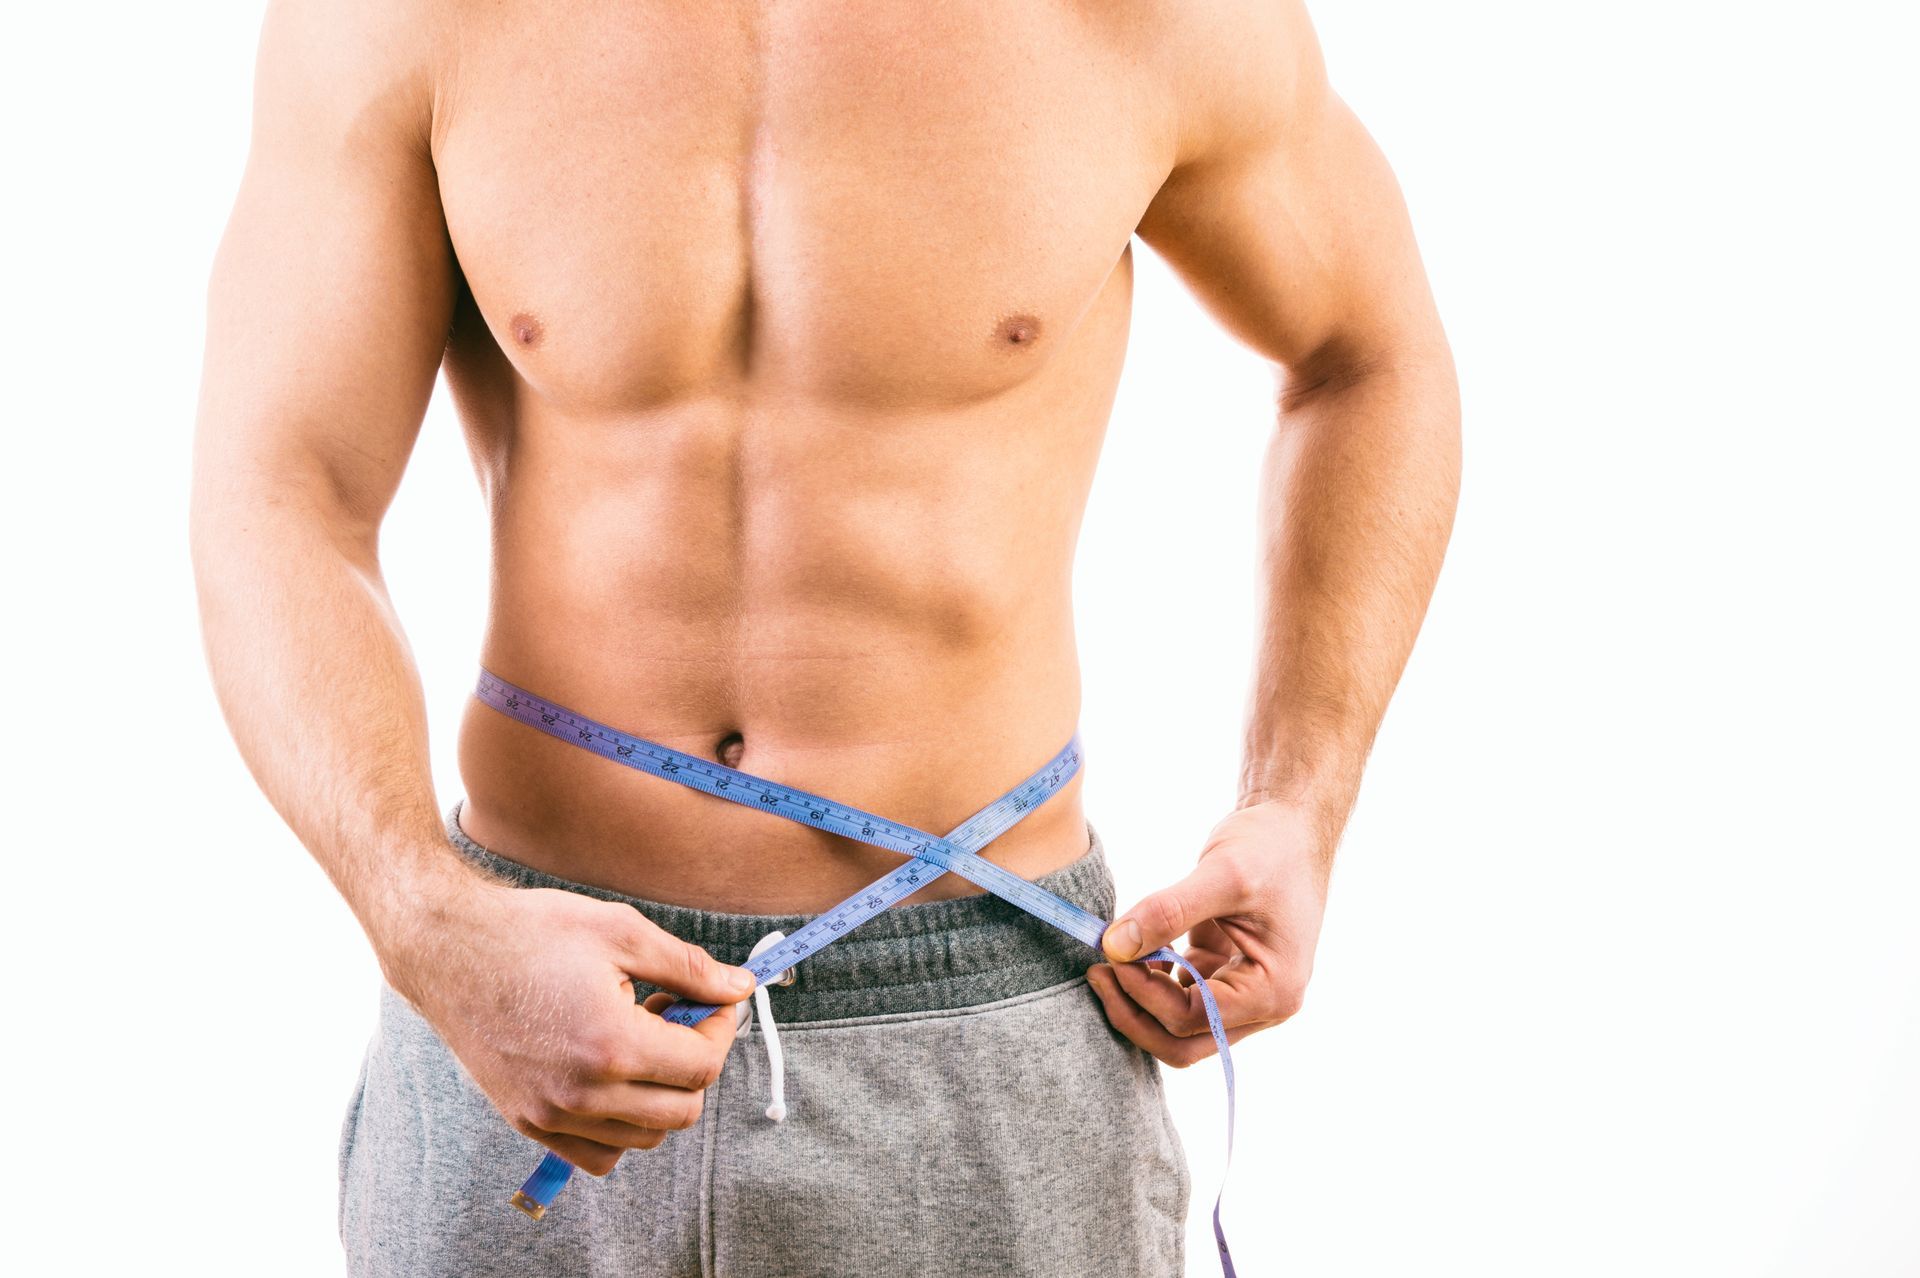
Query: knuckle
point(597, 1162)
point(649, 1139)
point(546, 1114)
point(1163, 914)
point(693, 1075)
point(596, 1056)
point(623, 918)
point(632, 930)
point(678, 964)
point(619, 923)
point(1289, 999)
point(571, 1096)
point(1235, 878)
point(707, 1072)
point(688, 1111)
point(568, 1097)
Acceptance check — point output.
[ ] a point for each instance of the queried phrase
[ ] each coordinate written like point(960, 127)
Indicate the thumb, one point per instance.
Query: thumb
point(658, 958)
point(1169, 913)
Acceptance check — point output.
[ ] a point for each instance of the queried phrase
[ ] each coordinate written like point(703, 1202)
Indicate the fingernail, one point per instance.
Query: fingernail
point(742, 980)
point(1126, 939)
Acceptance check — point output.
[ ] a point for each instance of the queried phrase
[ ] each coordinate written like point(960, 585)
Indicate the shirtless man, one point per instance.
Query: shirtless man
point(784, 338)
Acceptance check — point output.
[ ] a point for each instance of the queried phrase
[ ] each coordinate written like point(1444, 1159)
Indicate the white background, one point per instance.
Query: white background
point(1621, 973)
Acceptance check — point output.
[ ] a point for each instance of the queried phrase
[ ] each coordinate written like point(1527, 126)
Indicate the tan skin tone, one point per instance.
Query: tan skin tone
point(784, 339)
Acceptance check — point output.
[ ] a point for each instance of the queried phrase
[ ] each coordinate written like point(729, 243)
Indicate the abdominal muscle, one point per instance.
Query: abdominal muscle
point(871, 605)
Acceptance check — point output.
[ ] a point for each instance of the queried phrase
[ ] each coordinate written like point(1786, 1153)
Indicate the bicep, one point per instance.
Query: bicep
point(331, 294)
point(1288, 224)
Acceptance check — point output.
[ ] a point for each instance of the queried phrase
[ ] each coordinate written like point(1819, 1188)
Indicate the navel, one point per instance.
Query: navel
point(1017, 330)
point(526, 330)
point(730, 748)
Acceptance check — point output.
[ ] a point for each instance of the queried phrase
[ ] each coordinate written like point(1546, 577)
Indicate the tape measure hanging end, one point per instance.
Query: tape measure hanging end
point(548, 1179)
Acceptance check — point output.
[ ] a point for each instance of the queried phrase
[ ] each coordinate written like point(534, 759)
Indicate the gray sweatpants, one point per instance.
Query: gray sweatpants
point(957, 1104)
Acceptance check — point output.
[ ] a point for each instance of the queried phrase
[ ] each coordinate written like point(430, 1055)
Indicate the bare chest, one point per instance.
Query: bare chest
point(891, 202)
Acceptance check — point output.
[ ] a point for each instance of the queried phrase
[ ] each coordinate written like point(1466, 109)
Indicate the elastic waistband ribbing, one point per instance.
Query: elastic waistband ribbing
point(913, 958)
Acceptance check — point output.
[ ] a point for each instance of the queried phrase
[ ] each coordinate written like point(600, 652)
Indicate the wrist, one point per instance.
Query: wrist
point(1319, 798)
point(1326, 790)
point(418, 910)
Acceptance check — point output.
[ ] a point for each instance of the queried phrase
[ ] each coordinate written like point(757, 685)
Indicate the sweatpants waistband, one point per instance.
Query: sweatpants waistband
point(939, 956)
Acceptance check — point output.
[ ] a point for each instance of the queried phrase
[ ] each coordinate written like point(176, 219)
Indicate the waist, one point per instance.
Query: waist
point(933, 956)
point(927, 753)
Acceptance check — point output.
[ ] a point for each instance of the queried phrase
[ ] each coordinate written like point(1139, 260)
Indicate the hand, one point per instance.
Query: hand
point(531, 989)
point(1251, 911)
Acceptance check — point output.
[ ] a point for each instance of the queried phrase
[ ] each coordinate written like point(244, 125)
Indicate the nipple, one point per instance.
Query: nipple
point(526, 329)
point(1017, 330)
point(730, 748)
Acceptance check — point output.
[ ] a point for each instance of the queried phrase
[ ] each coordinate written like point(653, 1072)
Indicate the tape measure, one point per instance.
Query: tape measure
point(928, 857)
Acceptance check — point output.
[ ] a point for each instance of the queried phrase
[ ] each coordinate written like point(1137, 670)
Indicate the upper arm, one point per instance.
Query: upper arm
point(1280, 212)
point(332, 291)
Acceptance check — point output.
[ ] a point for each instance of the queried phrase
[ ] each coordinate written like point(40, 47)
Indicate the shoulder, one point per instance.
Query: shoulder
point(1234, 74)
point(356, 68)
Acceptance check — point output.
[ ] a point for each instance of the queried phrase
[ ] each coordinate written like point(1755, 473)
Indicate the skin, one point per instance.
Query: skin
point(784, 340)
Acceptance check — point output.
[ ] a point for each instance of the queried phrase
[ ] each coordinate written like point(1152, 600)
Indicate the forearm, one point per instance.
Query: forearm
point(319, 688)
point(1357, 501)
point(529, 990)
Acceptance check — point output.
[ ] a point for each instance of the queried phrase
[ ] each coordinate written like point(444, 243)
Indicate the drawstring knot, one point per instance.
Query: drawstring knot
point(776, 1059)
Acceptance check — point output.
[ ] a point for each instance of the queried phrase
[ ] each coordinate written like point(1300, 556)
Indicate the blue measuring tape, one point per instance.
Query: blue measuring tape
point(928, 857)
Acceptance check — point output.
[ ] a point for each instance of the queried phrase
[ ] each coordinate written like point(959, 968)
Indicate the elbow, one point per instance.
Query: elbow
point(1421, 364)
point(217, 534)
point(220, 506)
point(1406, 388)
point(250, 519)
point(1396, 401)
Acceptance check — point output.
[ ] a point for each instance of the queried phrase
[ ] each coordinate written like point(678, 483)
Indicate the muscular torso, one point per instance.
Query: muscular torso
point(788, 339)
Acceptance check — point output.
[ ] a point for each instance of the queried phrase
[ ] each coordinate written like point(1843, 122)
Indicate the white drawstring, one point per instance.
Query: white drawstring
point(776, 1059)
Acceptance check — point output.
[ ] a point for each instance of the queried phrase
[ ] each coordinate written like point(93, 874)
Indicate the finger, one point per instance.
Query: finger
point(1245, 991)
point(1180, 1008)
point(1162, 998)
point(653, 956)
point(1140, 1028)
point(677, 1055)
point(631, 1115)
point(1207, 962)
point(1210, 936)
point(1213, 889)
point(1208, 965)
point(659, 1001)
point(588, 1155)
point(609, 1133)
point(1241, 993)
point(1146, 1033)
